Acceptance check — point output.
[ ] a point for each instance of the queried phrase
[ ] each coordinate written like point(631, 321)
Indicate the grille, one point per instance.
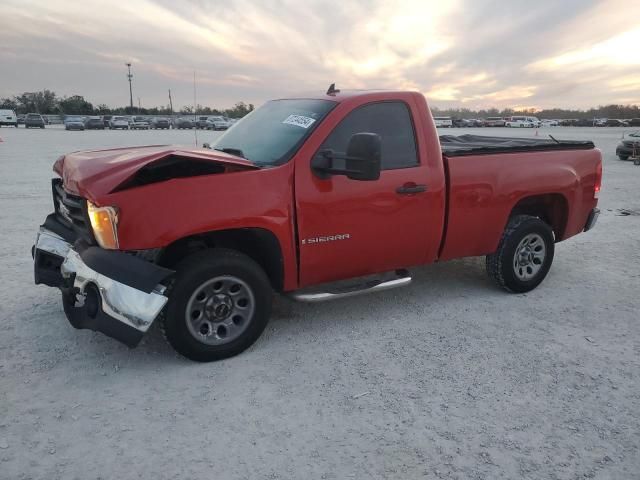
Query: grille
point(70, 209)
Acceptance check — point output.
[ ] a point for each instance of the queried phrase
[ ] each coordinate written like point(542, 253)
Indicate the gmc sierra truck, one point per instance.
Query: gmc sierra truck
point(296, 198)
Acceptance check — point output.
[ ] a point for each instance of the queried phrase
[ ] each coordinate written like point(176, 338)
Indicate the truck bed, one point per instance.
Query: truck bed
point(487, 177)
point(455, 146)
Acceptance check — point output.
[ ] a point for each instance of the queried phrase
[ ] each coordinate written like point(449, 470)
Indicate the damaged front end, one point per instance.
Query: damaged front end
point(84, 246)
point(107, 291)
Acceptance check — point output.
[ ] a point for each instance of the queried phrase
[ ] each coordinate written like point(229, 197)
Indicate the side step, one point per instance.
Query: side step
point(401, 279)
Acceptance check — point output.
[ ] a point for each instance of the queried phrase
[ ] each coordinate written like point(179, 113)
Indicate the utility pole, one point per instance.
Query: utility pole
point(130, 77)
point(139, 104)
point(170, 103)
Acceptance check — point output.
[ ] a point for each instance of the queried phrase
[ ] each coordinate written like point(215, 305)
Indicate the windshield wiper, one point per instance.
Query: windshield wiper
point(232, 151)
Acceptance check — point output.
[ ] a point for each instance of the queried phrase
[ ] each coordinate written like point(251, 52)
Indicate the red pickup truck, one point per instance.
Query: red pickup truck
point(301, 194)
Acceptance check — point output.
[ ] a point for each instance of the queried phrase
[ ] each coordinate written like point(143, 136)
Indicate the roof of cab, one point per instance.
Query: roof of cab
point(342, 95)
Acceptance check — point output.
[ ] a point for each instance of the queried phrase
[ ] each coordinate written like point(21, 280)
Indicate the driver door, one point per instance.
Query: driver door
point(349, 228)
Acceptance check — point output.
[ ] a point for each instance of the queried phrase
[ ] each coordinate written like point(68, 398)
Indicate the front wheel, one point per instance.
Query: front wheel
point(524, 254)
point(219, 304)
point(623, 157)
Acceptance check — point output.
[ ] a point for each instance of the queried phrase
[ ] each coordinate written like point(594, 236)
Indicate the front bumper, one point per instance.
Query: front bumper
point(111, 292)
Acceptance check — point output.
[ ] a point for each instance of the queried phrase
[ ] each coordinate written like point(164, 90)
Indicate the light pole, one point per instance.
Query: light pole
point(130, 77)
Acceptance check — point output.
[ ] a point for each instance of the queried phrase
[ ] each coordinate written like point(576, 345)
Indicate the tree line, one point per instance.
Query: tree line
point(48, 102)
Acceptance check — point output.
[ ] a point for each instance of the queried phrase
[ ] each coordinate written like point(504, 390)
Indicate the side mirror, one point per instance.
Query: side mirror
point(361, 161)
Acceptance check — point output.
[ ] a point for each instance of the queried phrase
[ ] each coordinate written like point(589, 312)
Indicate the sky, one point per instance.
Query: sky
point(473, 54)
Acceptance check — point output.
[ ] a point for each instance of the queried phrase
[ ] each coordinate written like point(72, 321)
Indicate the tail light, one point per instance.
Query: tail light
point(596, 188)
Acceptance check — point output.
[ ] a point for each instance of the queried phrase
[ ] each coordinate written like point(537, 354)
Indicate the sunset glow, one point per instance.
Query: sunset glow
point(470, 54)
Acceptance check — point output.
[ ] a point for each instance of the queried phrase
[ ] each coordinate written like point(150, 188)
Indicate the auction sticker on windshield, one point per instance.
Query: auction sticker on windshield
point(299, 121)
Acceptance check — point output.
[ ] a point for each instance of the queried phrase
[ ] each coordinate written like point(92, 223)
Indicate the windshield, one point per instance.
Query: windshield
point(273, 133)
point(74, 119)
point(635, 134)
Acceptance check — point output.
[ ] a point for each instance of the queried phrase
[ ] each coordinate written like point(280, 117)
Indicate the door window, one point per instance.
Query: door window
point(390, 120)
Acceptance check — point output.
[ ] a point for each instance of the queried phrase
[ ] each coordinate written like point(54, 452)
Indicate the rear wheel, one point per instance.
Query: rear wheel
point(524, 254)
point(219, 304)
point(623, 157)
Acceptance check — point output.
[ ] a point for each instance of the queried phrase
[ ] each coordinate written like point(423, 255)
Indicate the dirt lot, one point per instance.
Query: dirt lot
point(448, 378)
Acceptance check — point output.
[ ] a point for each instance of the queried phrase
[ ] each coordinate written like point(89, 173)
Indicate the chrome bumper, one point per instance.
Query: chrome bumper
point(92, 299)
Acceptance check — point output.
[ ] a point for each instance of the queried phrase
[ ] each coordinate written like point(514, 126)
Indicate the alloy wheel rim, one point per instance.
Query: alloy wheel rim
point(220, 310)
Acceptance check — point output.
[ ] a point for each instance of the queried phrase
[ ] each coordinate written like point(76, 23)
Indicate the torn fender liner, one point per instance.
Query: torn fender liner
point(124, 268)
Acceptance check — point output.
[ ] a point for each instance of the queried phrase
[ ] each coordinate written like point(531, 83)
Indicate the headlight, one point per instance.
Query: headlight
point(104, 222)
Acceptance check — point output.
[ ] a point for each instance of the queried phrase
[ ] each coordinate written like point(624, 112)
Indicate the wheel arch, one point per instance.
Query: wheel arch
point(260, 244)
point(552, 208)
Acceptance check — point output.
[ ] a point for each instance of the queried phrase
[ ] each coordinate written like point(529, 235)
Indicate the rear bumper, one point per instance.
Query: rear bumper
point(592, 219)
point(107, 291)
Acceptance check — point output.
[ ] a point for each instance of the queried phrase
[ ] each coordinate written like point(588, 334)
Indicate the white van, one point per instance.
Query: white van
point(8, 117)
point(443, 122)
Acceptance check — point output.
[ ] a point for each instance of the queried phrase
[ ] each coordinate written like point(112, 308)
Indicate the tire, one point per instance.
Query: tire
point(222, 326)
point(623, 157)
point(534, 239)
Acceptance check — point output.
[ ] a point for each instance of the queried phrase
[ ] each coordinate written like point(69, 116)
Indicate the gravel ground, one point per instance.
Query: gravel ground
point(448, 378)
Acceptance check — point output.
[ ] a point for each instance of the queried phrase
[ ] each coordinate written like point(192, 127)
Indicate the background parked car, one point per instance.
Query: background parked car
point(182, 123)
point(72, 122)
point(443, 122)
point(8, 117)
point(519, 122)
point(533, 121)
point(139, 123)
point(549, 123)
point(119, 122)
point(94, 123)
point(634, 122)
point(494, 122)
point(160, 123)
point(33, 120)
point(217, 123)
point(625, 148)
point(614, 122)
point(201, 122)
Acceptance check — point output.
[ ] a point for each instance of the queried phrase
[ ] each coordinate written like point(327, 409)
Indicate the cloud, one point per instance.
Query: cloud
point(481, 53)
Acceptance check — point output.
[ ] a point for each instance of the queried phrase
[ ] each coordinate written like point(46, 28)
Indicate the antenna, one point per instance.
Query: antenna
point(195, 106)
point(332, 89)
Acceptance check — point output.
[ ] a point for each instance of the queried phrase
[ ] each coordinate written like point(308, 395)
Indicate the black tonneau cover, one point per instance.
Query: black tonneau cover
point(455, 146)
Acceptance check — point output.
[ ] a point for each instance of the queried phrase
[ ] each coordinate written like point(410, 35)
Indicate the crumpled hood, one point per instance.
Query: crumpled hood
point(94, 173)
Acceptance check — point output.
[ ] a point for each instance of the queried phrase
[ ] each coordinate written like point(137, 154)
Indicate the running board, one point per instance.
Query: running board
point(403, 279)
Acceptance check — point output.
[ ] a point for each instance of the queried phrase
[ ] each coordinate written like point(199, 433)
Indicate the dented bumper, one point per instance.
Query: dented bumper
point(111, 292)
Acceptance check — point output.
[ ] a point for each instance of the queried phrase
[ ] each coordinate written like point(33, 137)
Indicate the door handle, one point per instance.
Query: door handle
point(411, 188)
